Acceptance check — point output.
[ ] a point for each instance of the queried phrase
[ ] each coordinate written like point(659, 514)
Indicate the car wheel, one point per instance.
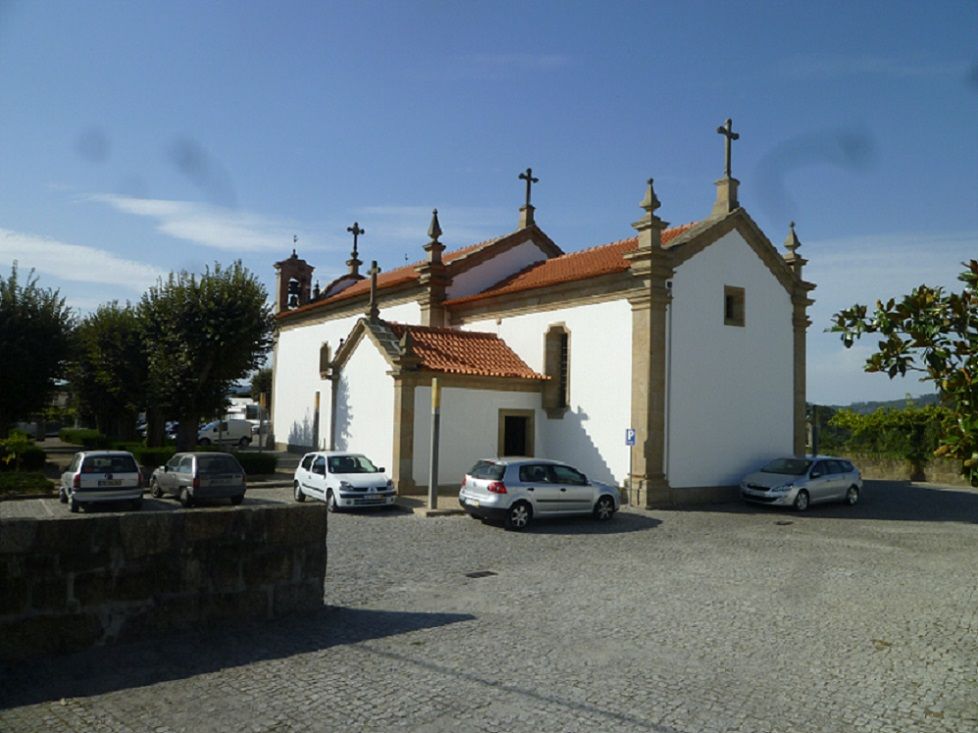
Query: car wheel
point(330, 501)
point(518, 516)
point(154, 489)
point(62, 496)
point(852, 495)
point(73, 505)
point(801, 501)
point(185, 498)
point(604, 509)
point(297, 492)
point(236, 500)
point(244, 442)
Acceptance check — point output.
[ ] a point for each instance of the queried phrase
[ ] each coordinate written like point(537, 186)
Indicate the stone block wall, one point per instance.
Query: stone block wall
point(74, 582)
point(935, 471)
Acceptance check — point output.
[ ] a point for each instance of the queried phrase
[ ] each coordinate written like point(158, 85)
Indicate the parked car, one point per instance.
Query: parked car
point(800, 482)
point(100, 476)
point(342, 480)
point(518, 490)
point(233, 431)
point(200, 475)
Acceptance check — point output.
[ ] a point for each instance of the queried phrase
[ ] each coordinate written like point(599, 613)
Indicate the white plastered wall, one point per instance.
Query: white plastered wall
point(591, 433)
point(469, 428)
point(365, 405)
point(297, 380)
point(730, 387)
point(493, 270)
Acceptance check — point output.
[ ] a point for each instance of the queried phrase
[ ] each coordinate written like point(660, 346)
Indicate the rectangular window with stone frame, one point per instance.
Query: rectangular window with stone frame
point(733, 306)
point(556, 359)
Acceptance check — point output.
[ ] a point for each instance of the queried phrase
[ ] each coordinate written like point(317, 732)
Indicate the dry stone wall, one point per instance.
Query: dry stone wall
point(70, 583)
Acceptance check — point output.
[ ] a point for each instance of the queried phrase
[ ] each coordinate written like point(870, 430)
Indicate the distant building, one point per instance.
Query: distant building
point(692, 336)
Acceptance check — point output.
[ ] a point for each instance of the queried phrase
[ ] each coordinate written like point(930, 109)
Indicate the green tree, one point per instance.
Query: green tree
point(934, 333)
point(35, 326)
point(261, 388)
point(202, 334)
point(109, 369)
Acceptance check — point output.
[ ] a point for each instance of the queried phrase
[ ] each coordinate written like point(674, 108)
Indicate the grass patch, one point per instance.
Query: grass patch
point(24, 482)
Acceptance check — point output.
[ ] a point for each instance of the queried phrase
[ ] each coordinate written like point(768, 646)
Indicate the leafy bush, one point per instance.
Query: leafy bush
point(18, 452)
point(257, 464)
point(85, 437)
point(913, 433)
point(23, 482)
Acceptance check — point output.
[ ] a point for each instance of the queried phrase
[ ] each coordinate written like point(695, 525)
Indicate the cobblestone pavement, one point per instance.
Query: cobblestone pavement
point(723, 619)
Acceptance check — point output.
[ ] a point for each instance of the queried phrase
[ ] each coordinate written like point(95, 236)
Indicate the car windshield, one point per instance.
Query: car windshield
point(487, 470)
point(208, 426)
point(217, 464)
point(788, 466)
point(351, 464)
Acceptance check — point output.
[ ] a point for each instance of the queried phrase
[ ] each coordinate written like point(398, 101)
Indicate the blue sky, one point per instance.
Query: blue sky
point(139, 138)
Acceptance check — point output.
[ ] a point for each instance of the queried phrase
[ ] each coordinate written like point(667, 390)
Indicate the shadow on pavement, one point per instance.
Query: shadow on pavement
point(182, 655)
point(887, 500)
point(621, 523)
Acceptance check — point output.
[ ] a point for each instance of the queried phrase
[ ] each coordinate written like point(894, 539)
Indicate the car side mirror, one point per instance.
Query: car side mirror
point(166, 469)
point(380, 469)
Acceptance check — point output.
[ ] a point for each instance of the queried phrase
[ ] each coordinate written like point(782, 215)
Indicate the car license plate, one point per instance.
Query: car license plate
point(110, 482)
point(472, 502)
point(221, 481)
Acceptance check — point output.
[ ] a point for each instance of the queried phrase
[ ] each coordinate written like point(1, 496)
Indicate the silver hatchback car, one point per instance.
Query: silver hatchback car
point(200, 475)
point(517, 490)
point(800, 482)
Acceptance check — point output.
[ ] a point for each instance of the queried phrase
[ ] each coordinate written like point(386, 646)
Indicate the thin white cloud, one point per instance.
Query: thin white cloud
point(462, 225)
point(811, 66)
point(75, 262)
point(210, 226)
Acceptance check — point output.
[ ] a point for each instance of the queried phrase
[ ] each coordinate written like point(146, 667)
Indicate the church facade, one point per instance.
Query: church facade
point(687, 341)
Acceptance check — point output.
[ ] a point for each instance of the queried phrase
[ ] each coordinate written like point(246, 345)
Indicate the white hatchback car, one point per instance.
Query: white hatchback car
point(342, 480)
point(102, 476)
point(516, 490)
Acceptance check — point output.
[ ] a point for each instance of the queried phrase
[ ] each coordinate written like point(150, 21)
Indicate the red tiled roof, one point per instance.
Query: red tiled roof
point(464, 352)
point(604, 259)
point(393, 278)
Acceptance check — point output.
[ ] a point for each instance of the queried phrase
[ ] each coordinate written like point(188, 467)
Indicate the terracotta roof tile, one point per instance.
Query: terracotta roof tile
point(464, 352)
point(604, 259)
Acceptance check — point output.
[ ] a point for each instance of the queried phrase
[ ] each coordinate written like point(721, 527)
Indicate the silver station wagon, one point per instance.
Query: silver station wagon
point(800, 482)
point(200, 475)
point(518, 490)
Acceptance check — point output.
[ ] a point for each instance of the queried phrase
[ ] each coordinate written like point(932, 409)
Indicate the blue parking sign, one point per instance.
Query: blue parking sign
point(629, 436)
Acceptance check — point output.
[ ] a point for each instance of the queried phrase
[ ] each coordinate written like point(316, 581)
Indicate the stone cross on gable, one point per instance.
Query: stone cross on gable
point(374, 312)
point(356, 231)
point(726, 130)
point(530, 180)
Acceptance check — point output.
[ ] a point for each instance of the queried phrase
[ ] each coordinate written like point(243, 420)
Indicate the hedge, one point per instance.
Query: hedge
point(22, 482)
point(15, 456)
point(257, 464)
point(153, 457)
point(85, 437)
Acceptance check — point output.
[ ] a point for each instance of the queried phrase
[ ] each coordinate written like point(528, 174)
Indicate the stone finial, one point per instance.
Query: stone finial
point(315, 291)
point(407, 344)
point(651, 202)
point(374, 311)
point(791, 242)
point(434, 230)
point(726, 200)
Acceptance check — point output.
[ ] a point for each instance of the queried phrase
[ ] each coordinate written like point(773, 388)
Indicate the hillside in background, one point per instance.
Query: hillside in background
point(867, 407)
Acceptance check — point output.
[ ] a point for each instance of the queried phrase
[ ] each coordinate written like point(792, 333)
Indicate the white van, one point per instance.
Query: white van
point(224, 432)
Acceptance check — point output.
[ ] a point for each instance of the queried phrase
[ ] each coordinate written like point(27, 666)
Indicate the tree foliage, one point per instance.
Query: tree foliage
point(204, 333)
point(934, 333)
point(912, 433)
point(261, 386)
point(35, 325)
point(109, 368)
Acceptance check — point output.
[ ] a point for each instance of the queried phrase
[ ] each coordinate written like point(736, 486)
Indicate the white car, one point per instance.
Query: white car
point(342, 480)
point(101, 476)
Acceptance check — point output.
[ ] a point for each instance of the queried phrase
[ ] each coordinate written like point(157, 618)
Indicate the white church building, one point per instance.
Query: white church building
point(693, 337)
